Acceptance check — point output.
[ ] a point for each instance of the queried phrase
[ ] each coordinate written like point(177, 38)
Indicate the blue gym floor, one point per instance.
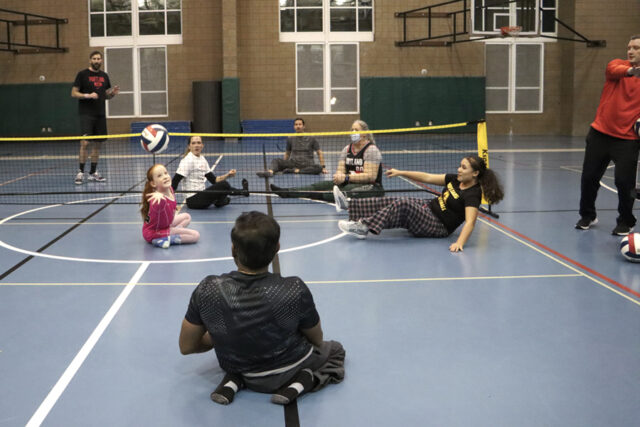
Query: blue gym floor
point(534, 324)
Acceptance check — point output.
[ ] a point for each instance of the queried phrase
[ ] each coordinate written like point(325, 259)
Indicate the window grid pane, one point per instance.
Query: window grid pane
point(118, 24)
point(118, 5)
point(153, 69)
point(114, 17)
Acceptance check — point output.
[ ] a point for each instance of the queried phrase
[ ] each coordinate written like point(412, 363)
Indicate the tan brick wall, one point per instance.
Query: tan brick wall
point(574, 74)
point(198, 58)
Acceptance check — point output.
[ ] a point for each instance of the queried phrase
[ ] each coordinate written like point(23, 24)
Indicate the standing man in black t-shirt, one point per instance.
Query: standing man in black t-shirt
point(92, 87)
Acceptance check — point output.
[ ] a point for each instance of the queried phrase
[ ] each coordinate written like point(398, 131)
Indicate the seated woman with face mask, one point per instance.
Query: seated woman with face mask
point(359, 171)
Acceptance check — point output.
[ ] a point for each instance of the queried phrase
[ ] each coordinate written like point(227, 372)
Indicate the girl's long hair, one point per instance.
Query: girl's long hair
point(365, 127)
point(144, 205)
point(488, 180)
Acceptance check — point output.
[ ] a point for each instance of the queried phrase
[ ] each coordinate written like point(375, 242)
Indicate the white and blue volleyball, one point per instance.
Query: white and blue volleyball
point(630, 247)
point(154, 139)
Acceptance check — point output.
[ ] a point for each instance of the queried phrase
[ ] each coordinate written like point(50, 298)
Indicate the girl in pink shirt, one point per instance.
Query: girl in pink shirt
point(162, 226)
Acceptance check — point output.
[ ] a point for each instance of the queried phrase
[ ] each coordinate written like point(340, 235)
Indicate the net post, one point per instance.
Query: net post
point(483, 153)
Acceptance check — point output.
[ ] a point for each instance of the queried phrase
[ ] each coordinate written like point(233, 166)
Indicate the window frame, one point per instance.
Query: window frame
point(326, 78)
point(326, 35)
point(511, 87)
point(135, 38)
point(137, 90)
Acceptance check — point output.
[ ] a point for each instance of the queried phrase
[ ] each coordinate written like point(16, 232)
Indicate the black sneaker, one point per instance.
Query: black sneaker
point(621, 230)
point(245, 187)
point(585, 223)
point(281, 192)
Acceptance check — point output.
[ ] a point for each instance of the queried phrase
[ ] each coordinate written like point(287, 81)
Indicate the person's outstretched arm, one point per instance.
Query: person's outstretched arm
point(194, 338)
point(427, 178)
point(470, 216)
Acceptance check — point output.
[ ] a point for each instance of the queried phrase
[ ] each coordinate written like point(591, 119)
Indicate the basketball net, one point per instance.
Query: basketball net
point(511, 31)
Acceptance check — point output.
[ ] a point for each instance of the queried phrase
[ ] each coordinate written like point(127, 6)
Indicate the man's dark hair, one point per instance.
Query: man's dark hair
point(95, 52)
point(637, 36)
point(299, 118)
point(255, 238)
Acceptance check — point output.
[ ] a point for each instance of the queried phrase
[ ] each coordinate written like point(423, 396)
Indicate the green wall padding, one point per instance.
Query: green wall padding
point(25, 109)
point(400, 102)
point(230, 105)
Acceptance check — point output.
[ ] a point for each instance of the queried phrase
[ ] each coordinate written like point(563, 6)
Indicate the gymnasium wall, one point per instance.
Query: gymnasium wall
point(38, 110)
point(574, 74)
point(197, 59)
point(400, 102)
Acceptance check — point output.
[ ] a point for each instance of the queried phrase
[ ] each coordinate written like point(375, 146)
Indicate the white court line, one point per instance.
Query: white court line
point(59, 388)
point(601, 183)
point(550, 256)
point(129, 261)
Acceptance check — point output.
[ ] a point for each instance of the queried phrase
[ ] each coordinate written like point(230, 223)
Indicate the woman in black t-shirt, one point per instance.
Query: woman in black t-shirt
point(437, 217)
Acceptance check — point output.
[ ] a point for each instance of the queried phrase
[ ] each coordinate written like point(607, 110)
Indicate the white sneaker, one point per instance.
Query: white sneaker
point(354, 228)
point(342, 203)
point(96, 177)
point(79, 178)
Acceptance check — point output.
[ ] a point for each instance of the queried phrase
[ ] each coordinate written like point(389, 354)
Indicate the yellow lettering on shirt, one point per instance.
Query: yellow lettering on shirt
point(449, 192)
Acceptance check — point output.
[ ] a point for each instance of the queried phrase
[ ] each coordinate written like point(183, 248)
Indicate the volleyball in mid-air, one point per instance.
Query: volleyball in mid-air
point(154, 139)
point(630, 247)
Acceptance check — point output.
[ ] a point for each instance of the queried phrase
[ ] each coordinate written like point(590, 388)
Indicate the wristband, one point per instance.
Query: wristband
point(346, 180)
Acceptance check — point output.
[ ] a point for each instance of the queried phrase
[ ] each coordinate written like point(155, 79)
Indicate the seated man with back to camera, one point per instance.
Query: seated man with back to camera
point(264, 327)
point(298, 156)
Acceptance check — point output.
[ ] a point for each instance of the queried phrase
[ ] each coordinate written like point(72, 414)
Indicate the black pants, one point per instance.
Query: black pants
point(601, 149)
point(214, 193)
point(278, 165)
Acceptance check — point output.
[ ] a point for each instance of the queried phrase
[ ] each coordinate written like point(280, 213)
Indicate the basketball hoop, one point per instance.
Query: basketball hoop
point(511, 31)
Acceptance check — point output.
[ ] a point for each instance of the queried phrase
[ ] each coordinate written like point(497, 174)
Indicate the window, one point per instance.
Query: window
point(141, 73)
point(514, 77)
point(327, 33)
point(330, 20)
point(118, 22)
point(547, 18)
point(534, 16)
point(327, 78)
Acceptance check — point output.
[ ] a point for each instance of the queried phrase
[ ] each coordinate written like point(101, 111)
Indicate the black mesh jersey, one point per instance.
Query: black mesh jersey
point(254, 320)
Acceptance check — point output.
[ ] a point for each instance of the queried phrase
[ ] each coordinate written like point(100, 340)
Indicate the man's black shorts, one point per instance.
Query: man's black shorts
point(93, 125)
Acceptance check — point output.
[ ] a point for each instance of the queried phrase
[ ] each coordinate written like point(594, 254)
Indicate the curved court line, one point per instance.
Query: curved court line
point(538, 247)
point(47, 404)
point(114, 261)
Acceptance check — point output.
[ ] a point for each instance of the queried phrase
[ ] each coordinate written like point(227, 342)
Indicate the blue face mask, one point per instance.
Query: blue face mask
point(355, 137)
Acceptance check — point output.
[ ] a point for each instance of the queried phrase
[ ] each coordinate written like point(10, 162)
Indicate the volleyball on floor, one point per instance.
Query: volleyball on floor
point(630, 247)
point(154, 139)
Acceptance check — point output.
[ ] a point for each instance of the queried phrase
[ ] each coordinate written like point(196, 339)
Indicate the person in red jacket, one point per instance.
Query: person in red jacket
point(612, 137)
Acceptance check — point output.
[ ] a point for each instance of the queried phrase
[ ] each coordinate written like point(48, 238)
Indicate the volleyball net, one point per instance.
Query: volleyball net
point(39, 171)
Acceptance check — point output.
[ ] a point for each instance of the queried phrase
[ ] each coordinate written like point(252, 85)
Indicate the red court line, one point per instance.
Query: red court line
point(556, 253)
point(563, 257)
point(26, 176)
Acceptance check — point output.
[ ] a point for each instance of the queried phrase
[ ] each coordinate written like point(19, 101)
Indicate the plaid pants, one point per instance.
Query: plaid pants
point(411, 213)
